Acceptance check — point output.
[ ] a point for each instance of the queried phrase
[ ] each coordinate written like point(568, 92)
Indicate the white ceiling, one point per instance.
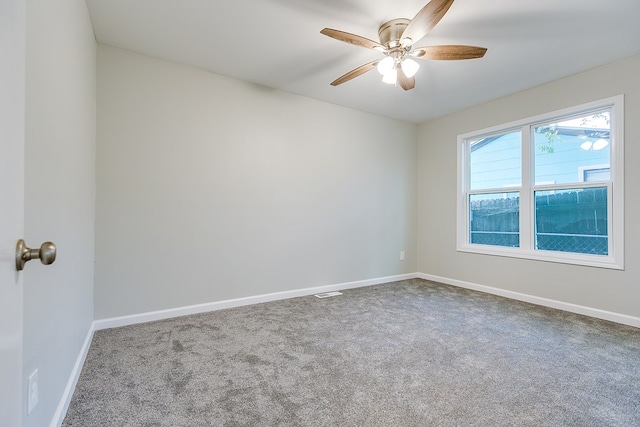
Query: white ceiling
point(277, 43)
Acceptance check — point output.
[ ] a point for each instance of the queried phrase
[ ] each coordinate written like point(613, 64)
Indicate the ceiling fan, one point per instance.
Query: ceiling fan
point(396, 43)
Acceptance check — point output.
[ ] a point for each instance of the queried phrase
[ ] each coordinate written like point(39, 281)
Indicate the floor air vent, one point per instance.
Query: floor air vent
point(328, 294)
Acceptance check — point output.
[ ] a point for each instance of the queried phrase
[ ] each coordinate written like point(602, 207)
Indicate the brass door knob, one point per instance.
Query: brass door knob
point(46, 253)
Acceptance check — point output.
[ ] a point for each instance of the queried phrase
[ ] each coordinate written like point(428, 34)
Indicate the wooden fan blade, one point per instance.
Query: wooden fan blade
point(352, 39)
point(355, 73)
point(449, 52)
point(405, 82)
point(426, 19)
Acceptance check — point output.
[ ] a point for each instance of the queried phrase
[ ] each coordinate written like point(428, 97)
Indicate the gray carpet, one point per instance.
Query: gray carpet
point(410, 353)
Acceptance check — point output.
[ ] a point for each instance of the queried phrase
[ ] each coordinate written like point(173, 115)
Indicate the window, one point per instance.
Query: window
point(548, 188)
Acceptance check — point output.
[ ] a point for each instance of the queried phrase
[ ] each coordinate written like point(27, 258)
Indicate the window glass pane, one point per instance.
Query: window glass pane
point(495, 162)
point(573, 220)
point(494, 219)
point(566, 151)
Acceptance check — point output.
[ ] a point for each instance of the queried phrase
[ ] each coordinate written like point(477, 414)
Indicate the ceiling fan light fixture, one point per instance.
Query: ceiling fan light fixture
point(385, 65)
point(410, 67)
point(586, 146)
point(390, 77)
point(600, 144)
point(396, 43)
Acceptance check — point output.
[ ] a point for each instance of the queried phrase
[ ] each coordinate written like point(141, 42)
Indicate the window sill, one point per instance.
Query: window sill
point(599, 261)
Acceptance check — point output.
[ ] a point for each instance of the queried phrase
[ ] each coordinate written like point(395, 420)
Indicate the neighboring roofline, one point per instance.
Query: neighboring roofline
point(562, 130)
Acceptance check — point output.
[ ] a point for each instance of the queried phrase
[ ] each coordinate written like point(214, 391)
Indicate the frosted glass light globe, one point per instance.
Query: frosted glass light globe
point(391, 77)
point(410, 67)
point(385, 65)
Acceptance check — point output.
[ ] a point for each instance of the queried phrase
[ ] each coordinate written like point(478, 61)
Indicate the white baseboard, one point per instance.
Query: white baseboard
point(115, 322)
point(573, 308)
point(132, 319)
point(63, 405)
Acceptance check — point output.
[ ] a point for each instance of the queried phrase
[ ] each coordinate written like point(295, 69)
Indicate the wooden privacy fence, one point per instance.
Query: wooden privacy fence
point(568, 221)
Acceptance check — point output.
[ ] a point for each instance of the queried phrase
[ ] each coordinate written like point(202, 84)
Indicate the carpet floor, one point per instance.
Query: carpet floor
point(409, 353)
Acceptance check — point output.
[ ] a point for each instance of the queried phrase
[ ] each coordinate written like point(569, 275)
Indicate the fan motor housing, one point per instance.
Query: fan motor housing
point(391, 31)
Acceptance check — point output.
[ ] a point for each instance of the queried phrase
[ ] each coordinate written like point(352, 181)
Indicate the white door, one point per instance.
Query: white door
point(12, 99)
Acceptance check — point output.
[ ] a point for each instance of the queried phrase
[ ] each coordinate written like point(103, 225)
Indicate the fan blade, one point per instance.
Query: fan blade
point(352, 39)
point(355, 73)
point(449, 52)
point(426, 19)
point(405, 82)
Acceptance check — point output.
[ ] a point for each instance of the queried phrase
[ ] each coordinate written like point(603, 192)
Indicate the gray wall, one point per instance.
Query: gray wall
point(604, 289)
point(209, 189)
point(59, 193)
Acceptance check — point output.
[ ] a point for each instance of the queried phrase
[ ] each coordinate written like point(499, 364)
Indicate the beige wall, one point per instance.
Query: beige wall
point(59, 194)
point(604, 289)
point(210, 189)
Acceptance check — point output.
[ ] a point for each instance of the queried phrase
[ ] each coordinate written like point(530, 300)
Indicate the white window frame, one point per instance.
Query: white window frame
point(582, 170)
point(615, 190)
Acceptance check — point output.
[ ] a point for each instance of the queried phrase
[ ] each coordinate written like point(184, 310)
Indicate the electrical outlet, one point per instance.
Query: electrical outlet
point(32, 391)
point(401, 255)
